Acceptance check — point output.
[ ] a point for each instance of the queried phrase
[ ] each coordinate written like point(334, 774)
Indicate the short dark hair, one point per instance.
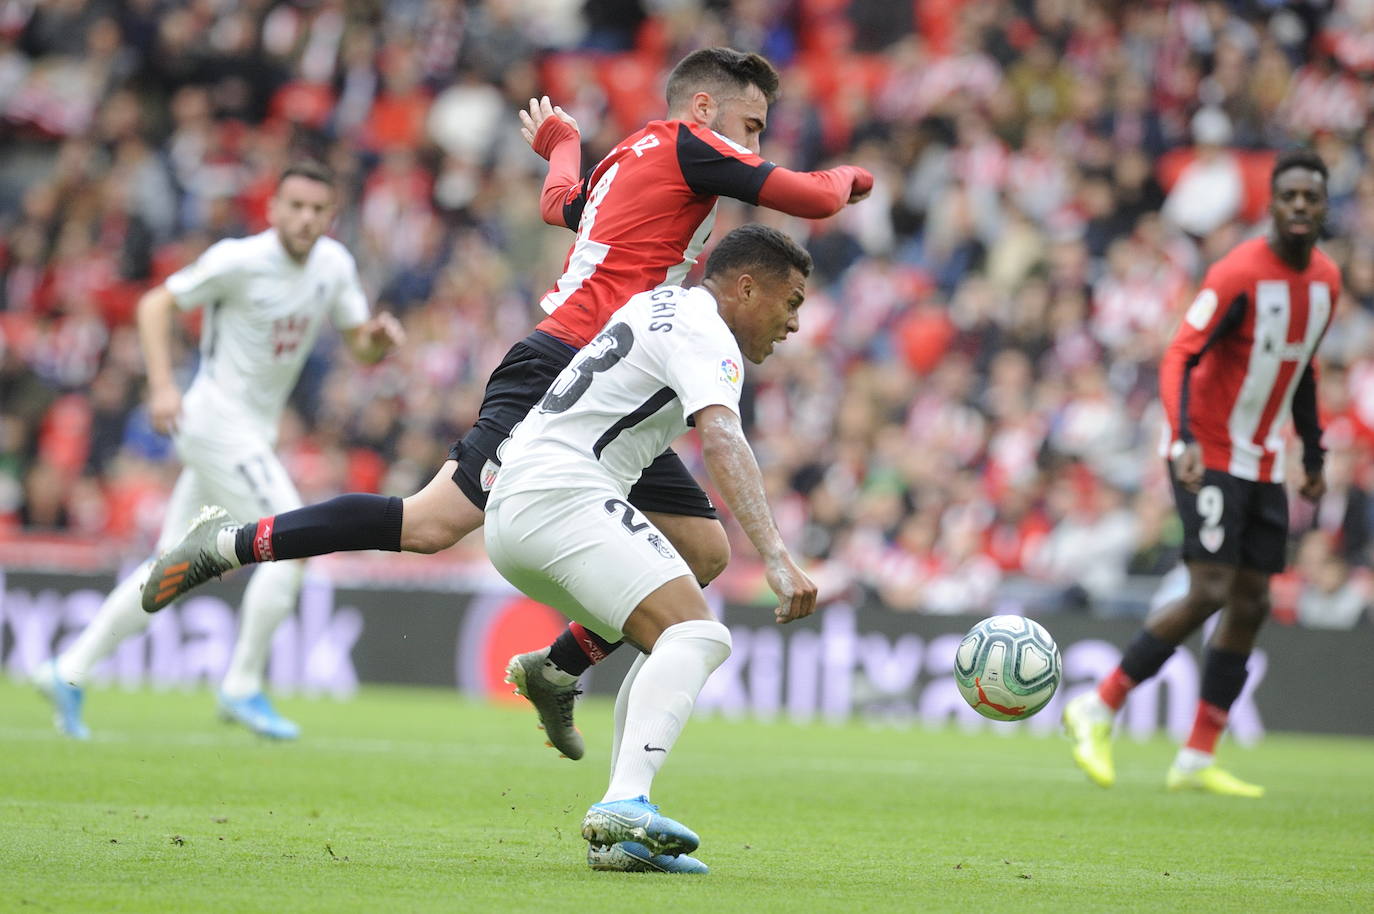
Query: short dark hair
point(312, 169)
point(1299, 157)
point(718, 70)
point(757, 248)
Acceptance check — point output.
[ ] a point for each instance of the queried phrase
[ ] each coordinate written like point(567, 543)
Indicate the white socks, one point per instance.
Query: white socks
point(225, 544)
point(1191, 760)
point(660, 699)
point(550, 671)
point(120, 616)
point(1094, 708)
point(270, 598)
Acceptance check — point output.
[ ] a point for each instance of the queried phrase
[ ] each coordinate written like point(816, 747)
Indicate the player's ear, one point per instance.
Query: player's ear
point(746, 286)
point(703, 107)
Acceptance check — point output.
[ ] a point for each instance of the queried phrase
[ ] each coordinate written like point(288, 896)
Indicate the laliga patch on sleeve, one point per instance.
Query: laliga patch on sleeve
point(1201, 310)
point(730, 373)
point(742, 150)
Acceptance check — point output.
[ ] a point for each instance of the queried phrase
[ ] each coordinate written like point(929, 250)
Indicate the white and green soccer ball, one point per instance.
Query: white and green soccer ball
point(1007, 667)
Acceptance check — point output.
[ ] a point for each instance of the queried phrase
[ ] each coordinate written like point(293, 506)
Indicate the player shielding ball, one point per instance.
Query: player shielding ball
point(642, 217)
point(560, 527)
point(1238, 366)
point(265, 298)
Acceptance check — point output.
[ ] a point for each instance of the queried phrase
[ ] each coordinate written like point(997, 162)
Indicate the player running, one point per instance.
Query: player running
point(265, 299)
point(559, 526)
point(642, 216)
point(1240, 362)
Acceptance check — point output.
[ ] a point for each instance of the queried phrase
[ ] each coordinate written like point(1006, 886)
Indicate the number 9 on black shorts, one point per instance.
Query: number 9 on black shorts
point(1234, 521)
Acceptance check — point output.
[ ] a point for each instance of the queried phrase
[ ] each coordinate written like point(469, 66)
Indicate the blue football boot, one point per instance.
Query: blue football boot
point(257, 714)
point(65, 699)
point(633, 857)
point(637, 820)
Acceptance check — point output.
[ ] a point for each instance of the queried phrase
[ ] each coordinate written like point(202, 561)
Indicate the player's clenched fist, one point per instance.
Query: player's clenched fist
point(795, 590)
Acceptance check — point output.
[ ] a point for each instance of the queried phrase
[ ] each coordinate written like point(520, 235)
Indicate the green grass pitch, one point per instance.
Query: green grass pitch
point(414, 800)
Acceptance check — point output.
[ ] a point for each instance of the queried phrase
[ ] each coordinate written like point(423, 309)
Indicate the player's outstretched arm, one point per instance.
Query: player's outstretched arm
point(553, 134)
point(155, 310)
point(815, 194)
point(373, 339)
point(735, 472)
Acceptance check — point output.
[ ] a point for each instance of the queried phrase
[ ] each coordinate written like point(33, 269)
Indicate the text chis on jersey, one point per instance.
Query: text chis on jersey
point(642, 216)
point(627, 395)
point(1242, 360)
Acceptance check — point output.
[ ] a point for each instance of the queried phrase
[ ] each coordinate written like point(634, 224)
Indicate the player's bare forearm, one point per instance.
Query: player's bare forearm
point(155, 310)
point(733, 469)
point(732, 466)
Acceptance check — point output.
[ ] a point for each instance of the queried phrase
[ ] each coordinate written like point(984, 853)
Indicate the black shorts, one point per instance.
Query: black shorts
point(1233, 521)
point(522, 378)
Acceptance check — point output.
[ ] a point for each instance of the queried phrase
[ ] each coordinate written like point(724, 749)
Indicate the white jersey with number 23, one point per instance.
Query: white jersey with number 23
point(626, 396)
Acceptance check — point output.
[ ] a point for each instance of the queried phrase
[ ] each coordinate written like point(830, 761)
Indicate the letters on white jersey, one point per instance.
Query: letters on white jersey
point(263, 312)
point(626, 395)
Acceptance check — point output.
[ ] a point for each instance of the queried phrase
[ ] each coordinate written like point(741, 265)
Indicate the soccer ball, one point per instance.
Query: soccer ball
point(1007, 667)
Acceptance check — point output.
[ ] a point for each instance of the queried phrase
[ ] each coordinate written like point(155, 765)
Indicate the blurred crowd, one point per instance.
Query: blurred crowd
point(969, 418)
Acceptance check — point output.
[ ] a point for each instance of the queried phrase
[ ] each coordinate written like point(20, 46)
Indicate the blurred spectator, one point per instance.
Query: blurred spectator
point(1332, 595)
point(1208, 193)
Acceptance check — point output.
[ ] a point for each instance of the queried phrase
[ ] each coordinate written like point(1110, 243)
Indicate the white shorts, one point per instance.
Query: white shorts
point(585, 552)
point(228, 463)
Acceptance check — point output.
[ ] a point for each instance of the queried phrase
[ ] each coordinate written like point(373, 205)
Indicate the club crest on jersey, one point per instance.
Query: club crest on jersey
point(730, 372)
point(663, 548)
point(1211, 538)
point(487, 478)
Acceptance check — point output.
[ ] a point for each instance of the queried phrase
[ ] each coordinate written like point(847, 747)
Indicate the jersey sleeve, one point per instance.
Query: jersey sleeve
point(564, 195)
point(350, 307)
point(209, 278)
point(1217, 310)
point(813, 194)
point(712, 164)
point(705, 369)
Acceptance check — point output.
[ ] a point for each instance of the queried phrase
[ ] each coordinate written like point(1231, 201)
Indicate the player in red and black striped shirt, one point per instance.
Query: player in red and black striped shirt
point(642, 216)
point(1239, 365)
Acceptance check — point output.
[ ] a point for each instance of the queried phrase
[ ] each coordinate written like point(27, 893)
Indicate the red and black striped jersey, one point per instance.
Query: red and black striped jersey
point(644, 212)
point(1244, 349)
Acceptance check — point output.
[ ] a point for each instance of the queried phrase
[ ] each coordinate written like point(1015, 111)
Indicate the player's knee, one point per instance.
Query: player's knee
point(427, 528)
point(709, 563)
point(1250, 611)
point(1208, 592)
point(711, 638)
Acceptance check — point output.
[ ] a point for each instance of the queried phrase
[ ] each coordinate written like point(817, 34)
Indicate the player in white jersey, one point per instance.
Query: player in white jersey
point(560, 527)
point(264, 300)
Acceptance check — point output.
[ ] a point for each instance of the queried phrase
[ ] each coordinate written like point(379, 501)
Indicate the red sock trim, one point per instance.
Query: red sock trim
point(1114, 688)
point(589, 646)
point(262, 541)
point(1207, 727)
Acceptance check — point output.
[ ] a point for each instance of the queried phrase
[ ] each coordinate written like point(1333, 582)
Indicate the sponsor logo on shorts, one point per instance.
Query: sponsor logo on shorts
point(487, 478)
point(663, 548)
point(1212, 538)
point(730, 372)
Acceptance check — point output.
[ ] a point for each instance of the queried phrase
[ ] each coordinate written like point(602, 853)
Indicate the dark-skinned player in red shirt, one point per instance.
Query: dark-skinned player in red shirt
point(1239, 365)
point(642, 216)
